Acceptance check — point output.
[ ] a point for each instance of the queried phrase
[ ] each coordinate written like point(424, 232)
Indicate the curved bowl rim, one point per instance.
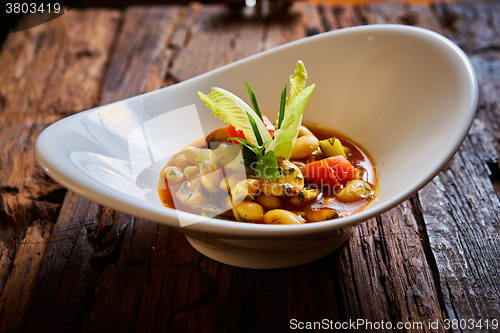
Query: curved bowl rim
point(121, 202)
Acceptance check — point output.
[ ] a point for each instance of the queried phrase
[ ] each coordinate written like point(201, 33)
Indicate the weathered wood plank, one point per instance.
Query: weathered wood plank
point(385, 12)
point(86, 236)
point(385, 265)
point(460, 208)
point(47, 71)
point(217, 32)
point(487, 66)
point(282, 30)
point(462, 215)
point(130, 74)
point(473, 25)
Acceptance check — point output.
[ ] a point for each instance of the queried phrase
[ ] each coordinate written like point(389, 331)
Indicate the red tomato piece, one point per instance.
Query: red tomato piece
point(233, 133)
point(333, 170)
point(269, 125)
point(342, 168)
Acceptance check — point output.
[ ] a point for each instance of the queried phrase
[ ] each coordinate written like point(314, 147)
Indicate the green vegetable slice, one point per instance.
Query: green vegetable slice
point(332, 147)
point(285, 136)
point(288, 127)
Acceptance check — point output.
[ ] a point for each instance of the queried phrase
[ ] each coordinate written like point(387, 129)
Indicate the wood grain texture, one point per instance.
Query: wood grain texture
point(487, 66)
point(435, 256)
point(216, 38)
point(141, 47)
point(462, 216)
point(473, 25)
point(48, 72)
point(86, 235)
point(460, 208)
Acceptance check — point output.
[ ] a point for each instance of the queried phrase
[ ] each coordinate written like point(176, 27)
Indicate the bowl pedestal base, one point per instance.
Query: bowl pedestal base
point(266, 254)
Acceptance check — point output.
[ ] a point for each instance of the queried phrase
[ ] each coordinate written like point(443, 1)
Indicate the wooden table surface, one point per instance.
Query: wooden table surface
point(68, 264)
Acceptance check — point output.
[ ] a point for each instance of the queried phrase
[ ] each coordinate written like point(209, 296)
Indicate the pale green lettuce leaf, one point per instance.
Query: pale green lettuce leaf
point(297, 82)
point(296, 102)
point(285, 136)
point(233, 111)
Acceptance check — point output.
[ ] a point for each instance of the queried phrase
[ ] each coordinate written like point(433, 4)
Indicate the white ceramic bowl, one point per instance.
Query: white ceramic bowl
point(408, 95)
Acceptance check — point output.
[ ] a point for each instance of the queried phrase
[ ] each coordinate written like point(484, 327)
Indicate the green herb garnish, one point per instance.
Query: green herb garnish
point(255, 130)
point(282, 107)
point(264, 164)
point(253, 99)
point(267, 166)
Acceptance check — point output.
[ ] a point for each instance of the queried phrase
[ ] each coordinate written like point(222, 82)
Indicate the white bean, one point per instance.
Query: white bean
point(304, 146)
point(355, 190)
point(320, 214)
point(249, 211)
point(281, 216)
point(173, 174)
point(305, 131)
point(190, 171)
point(269, 201)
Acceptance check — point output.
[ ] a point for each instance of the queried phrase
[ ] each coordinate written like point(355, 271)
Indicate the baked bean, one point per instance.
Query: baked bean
point(248, 187)
point(281, 216)
point(301, 166)
point(191, 153)
point(189, 193)
point(218, 135)
point(355, 190)
point(304, 146)
point(210, 181)
point(296, 201)
point(206, 160)
point(173, 174)
point(268, 201)
point(305, 131)
point(320, 214)
point(190, 171)
point(249, 211)
point(304, 196)
point(180, 160)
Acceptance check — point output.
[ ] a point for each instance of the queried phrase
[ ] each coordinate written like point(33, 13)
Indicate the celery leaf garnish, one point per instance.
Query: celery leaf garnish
point(288, 128)
point(234, 111)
